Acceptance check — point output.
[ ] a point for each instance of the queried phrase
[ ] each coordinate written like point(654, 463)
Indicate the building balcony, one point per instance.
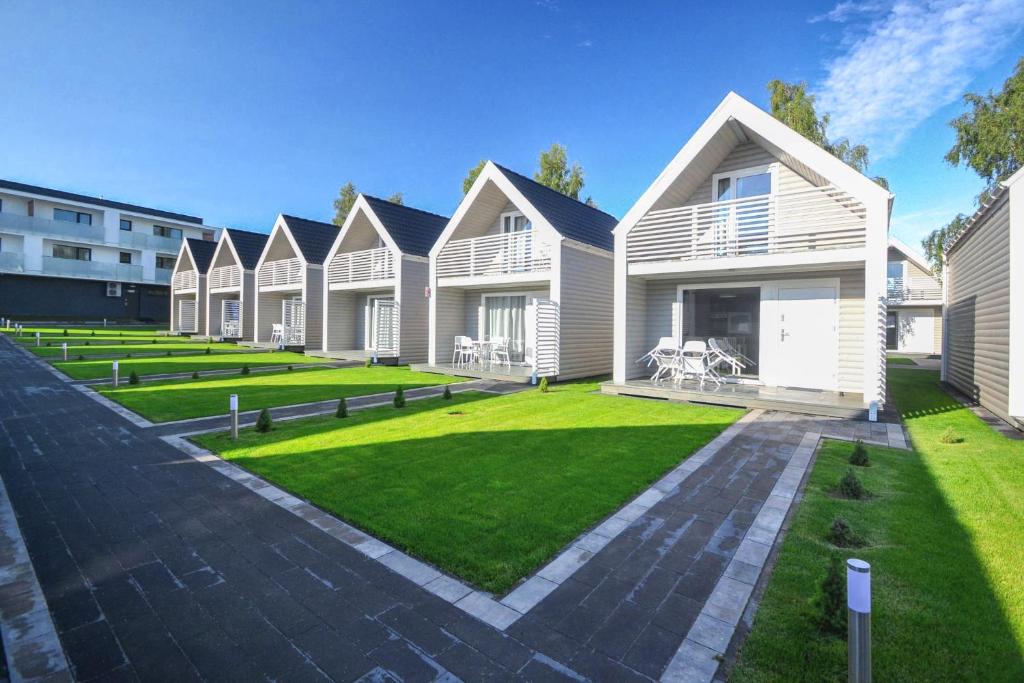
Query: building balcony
point(368, 265)
point(45, 227)
point(12, 262)
point(281, 273)
point(163, 276)
point(184, 281)
point(93, 270)
point(494, 255)
point(803, 224)
point(224, 277)
point(898, 295)
point(141, 240)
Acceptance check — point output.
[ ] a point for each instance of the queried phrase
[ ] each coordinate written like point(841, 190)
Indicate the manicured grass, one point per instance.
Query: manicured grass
point(900, 360)
point(158, 365)
point(484, 487)
point(946, 543)
point(109, 339)
point(127, 330)
point(119, 349)
point(181, 399)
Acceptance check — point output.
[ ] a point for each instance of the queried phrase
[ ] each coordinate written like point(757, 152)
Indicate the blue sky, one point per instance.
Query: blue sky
point(239, 111)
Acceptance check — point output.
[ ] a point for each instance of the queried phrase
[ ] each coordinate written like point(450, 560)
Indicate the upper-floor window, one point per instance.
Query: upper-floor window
point(126, 257)
point(72, 216)
point(894, 272)
point(126, 225)
point(165, 262)
point(208, 235)
point(69, 252)
point(514, 221)
point(164, 231)
point(743, 183)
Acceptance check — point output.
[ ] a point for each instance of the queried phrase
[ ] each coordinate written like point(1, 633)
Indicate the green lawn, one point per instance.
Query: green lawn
point(110, 339)
point(946, 543)
point(126, 330)
point(180, 399)
point(101, 349)
point(900, 360)
point(158, 365)
point(485, 487)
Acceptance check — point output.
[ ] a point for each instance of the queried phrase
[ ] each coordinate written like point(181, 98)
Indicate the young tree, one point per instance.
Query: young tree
point(556, 173)
point(343, 204)
point(471, 177)
point(935, 243)
point(396, 198)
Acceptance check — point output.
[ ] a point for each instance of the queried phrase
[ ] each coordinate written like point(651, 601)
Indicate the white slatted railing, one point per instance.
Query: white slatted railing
point(186, 279)
point(516, 252)
point(800, 220)
point(281, 272)
point(361, 266)
point(224, 276)
point(900, 291)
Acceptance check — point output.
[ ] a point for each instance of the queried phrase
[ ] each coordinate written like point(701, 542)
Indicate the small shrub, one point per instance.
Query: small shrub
point(841, 535)
point(544, 385)
point(207, 350)
point(245, 369)
point(168, 353)
point(195, 374)
point(133, 378)
point(152, 342)
point(93, 333)
point(264, 423)
point(49, 343)
point(81, 357)
point(831, 601)
point(399, 398)
point(368, 362)
point(447, 392)
point(290, 368)
point(88, 343)
point(859, 456)
point(342, 408)
point(65, 332)
point(950, 435)
point(123, 342)
point(851, 487)
point(127, 355)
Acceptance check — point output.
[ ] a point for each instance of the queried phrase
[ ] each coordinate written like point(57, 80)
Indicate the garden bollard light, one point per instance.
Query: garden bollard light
point(233, 405)
point(858, 605)
point(115, 374)
point(37, 339)
point(64, 348)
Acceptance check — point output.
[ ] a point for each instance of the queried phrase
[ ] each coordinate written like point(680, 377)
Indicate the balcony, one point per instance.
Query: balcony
point(361, 266)
point(899, 292)
point(95, 270)
point(184, 281)
point(12, 262)
point(141, 240)
point(224, 277)
point(163, 276)
point(45, 227)
point(808, 220)
point(505, 254)
point(283, 272)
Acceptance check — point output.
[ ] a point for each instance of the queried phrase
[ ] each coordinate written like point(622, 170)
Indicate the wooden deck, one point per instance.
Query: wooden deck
point(518, 374)
point(353, 354)
point(811, 402)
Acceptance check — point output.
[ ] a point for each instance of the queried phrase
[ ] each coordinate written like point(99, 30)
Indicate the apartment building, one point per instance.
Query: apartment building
point(70, 256)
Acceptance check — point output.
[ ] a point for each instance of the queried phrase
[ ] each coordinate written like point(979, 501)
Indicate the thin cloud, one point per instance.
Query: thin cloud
point(585, 43)
point(914, 226)
point(845, 11)
point(909, 63)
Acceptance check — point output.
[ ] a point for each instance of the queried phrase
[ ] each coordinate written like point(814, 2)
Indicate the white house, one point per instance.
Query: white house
point(377, 275)
point(983, 353)
point(70, 256)
point(521, 282)
point(231, 285)
point(290, 283)
point(755, 235)
point(914, 296)
point(188, 286)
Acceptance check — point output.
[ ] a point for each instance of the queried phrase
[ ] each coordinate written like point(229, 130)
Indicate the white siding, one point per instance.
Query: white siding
point(342, 312)
point(414, 312)
point(449, 321)
point(586, 313)
point(248, 304)
point(314, 299)
point(748, 155)
point(636, 325)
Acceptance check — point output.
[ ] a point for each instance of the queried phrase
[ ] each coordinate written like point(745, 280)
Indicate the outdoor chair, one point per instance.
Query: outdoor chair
point(464, 352)
point(499, 352)
point(665, 356)
point(733, 351)
point(719, 356)
point(695, 362)
point(277, 333)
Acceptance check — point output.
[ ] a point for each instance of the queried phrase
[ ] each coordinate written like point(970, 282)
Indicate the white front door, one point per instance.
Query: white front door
point(382, 323)
point(807, 337)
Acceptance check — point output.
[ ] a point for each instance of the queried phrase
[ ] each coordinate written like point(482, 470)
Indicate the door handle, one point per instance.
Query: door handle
point(782, 335)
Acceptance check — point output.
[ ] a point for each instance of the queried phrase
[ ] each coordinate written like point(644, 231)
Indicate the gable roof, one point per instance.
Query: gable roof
point(202, 253)
point(570, 217)
point(248, 245)
point(86, 199)
point(313, 238)
point(996, 199)
point(918, 259)
point(413, 230)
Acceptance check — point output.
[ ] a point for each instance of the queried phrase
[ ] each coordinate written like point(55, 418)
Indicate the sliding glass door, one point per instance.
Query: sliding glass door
point(505, 316)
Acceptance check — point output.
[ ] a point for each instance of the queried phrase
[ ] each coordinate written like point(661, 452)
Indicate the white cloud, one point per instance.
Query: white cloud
point(909, 63)
point(914, 226)
point(585, 43)
point(847, 10)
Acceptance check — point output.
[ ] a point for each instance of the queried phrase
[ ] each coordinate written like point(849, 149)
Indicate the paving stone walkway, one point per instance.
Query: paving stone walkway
point(155, 566)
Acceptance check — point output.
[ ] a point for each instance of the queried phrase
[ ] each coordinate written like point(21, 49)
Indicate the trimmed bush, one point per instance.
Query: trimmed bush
point(399, 397)
point(133, 378)
point(127, 355)
point(93, 333)
point(88, 343)
point(264, 423)
point(368, 362)
point(81, 357)
point(195, 374)
point(831, 601)
point(153, 342)
point(859, 456)
point(65, 333)
point(851, 487)
point(245, 369)
point(544, 385)
point(123, 342)
point(950, 436)
point(290, 368)
point(447, 392)
point(168, 353)
point(207, 350)
point(342, 408)
point(841, 535)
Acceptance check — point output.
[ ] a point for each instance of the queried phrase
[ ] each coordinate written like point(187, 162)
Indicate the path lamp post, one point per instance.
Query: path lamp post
point(64, 348)
point(858, 605)
point(37, 339)
point(233, 406)
point(115, 374)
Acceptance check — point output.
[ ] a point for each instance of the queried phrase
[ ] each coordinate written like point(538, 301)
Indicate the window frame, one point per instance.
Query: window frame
point(77, 214)
point(171, 259)
point(121, 255)
point(78, 252)
point(513, 215)
point(158, 229)
point(122, 224)
point(771, 169)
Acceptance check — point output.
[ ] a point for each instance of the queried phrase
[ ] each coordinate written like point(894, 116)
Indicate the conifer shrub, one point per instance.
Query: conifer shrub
point(447, 392)
point(245, 370)
point(859, 456)
point(399, 398)
point(544, 385)
point(264, 423)
point(133, 378)
point(831, 600)
point(851, 487)
point(342, 408)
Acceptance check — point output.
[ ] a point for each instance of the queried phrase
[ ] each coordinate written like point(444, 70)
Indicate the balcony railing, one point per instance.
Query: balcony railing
point(515, 252)
point(163, 276)
point(37, 225)
point(184, 280)
point(141, 240)
point(812, 219)
point(361, 266)
point(97, 270)
point(282, 272)
point(900, 292)
point(12, 261)
point(224, 276)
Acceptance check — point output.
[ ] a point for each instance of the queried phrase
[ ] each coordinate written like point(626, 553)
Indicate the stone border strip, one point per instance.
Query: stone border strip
point(31, 644)
point(116, 407)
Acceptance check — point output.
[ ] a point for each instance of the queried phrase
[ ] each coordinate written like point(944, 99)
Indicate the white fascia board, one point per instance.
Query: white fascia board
point(364, 206)
point(183, 250)
point(280, 225)
point(910, 253)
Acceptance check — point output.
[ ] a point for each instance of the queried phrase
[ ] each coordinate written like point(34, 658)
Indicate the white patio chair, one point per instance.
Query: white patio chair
point(499, 352)
point(665, 356)
point(464, 351)
point(719, 356)
point(694, 362)
point(728, 347)
point(277, 333)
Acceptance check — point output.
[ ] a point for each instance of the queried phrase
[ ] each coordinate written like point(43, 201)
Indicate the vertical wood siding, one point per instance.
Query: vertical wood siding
point(586, 314)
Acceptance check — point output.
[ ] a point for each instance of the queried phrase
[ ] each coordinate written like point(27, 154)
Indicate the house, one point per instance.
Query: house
point(290, 284)
point(914, 299)
point(71, 256)
point(377, 273)
point(756, 235)
point(983, 352)
point(231, 285)
point(188, 286)
point(525, 269)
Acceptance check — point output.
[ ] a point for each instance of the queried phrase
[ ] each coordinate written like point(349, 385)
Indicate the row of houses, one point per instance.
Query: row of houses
point(752, 235)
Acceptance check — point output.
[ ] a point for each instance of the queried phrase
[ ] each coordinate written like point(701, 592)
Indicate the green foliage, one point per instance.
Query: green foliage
point(467, 182)
point(133, 378)
point(851, 487)
point(859, 456)
point(950, 436)
point(399, 398)
point(555, 172)
point(831, 600)
point(264, 423)
point(936, 243)
point(447, 393)
point(396, 198)
point(153, 341)
point(81, 357)
point(841, 535)
point(207, 351)
point(347, 196)
point(342, 408)
point(544, 385)
point(245, 370)
point(93, 334)
point(167, 353)
point(128, 355)
point(290, 368)
point(368, 363)
point(87, 343)
point(195, 374)
point(65, 333)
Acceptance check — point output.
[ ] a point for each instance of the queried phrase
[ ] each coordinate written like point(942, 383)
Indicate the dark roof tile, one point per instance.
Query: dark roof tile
point(414, 231)
point(202, 253)
point(313, 237)
point(249, 246)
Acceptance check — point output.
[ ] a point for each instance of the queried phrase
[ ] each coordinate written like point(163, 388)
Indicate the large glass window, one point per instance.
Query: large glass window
point(126, 225)
point(164, 231)
point(72, 216)
point(731, 314)
point(69, 252)
point(505, 316)
point(165, 262)
point(126, 257)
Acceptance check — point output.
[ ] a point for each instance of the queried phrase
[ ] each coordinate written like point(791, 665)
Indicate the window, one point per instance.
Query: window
point(514, 222)
point(165, 262)
point(126, 257)
point(742, 226)
point(208, 235)
point(74, 253)
point(72, 216)
point(163, 231)
point(126, 225)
